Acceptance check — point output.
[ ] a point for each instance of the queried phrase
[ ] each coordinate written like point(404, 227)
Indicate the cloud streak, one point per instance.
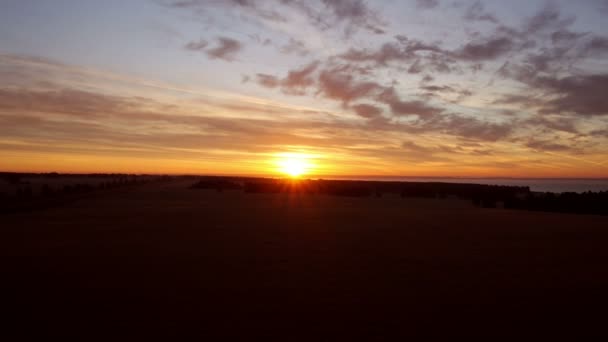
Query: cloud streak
point(225, 48)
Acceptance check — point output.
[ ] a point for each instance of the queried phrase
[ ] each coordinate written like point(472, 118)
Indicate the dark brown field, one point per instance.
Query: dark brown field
point(166, 262)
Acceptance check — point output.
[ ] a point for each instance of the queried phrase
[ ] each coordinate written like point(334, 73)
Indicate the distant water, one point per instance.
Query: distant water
point(538, 185)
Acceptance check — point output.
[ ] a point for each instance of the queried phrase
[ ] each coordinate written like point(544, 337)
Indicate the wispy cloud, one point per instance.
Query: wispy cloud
point(225, 48)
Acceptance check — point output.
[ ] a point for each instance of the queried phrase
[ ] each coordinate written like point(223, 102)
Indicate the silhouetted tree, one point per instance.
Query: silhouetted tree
point(47, 191)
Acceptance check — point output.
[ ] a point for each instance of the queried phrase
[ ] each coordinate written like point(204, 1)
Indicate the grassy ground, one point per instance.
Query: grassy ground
point(161, 260)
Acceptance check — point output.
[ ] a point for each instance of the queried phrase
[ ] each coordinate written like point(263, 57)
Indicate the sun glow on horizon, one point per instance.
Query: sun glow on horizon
point(294, 165)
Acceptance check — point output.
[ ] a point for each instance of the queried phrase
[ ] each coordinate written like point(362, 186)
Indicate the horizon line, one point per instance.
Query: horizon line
point(329, 177)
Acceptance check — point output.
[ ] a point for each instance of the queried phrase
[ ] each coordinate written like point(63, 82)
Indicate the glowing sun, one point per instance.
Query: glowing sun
point(294, 165)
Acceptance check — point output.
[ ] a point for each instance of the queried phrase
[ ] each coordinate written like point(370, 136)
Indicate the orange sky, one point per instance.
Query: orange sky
point(420, 88)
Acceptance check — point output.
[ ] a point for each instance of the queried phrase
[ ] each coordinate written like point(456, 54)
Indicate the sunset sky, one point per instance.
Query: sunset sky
point(236, 87)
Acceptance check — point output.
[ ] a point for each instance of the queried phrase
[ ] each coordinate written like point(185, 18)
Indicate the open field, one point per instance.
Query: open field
point(161, 260)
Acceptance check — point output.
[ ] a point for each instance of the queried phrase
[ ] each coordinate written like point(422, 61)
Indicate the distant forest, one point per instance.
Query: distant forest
point(32, 191)
point(25, 191)
point(486, 196)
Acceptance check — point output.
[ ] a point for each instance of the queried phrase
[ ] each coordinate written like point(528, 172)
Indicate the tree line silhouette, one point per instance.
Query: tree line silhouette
point(48, 190)
point(481, 195)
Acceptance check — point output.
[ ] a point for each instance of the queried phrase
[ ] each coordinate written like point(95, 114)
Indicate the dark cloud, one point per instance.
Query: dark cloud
point(413, 147)
point(442, 63)
point(415, 68)
point(419, 108)
point(477, 12)
point(423, 56)
point(563, 124)
point(298, 80)
point(427, 4)
point(295, 46)
point(336, 84)
point(356, 13)
point(545, 145)
point(254, 7)
point(403, 50)
point(543, 43)
point(602, 133)
point(465, 127)
point(547, 19)
point(428, 152)
point(353, 14)
point(295, 83)
point(561, 102)
point(603, 6)
point(529, 100)
point(473, 128)
point(403, 108)
point(197, 45)
point(262, 41)
point(419, 55)
point(427, 78)
point(565, 37)
point(487, 50)
point(415, 151)
point(344, 87)
point(225, 49)
point(581, 95)
point(567, 49)
point(434, 89)
point(357, 69)
point(547, 61)
point(367, 111)
point(267, 81)
point(388, 52)
point(197, 3)
point(597, 47)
